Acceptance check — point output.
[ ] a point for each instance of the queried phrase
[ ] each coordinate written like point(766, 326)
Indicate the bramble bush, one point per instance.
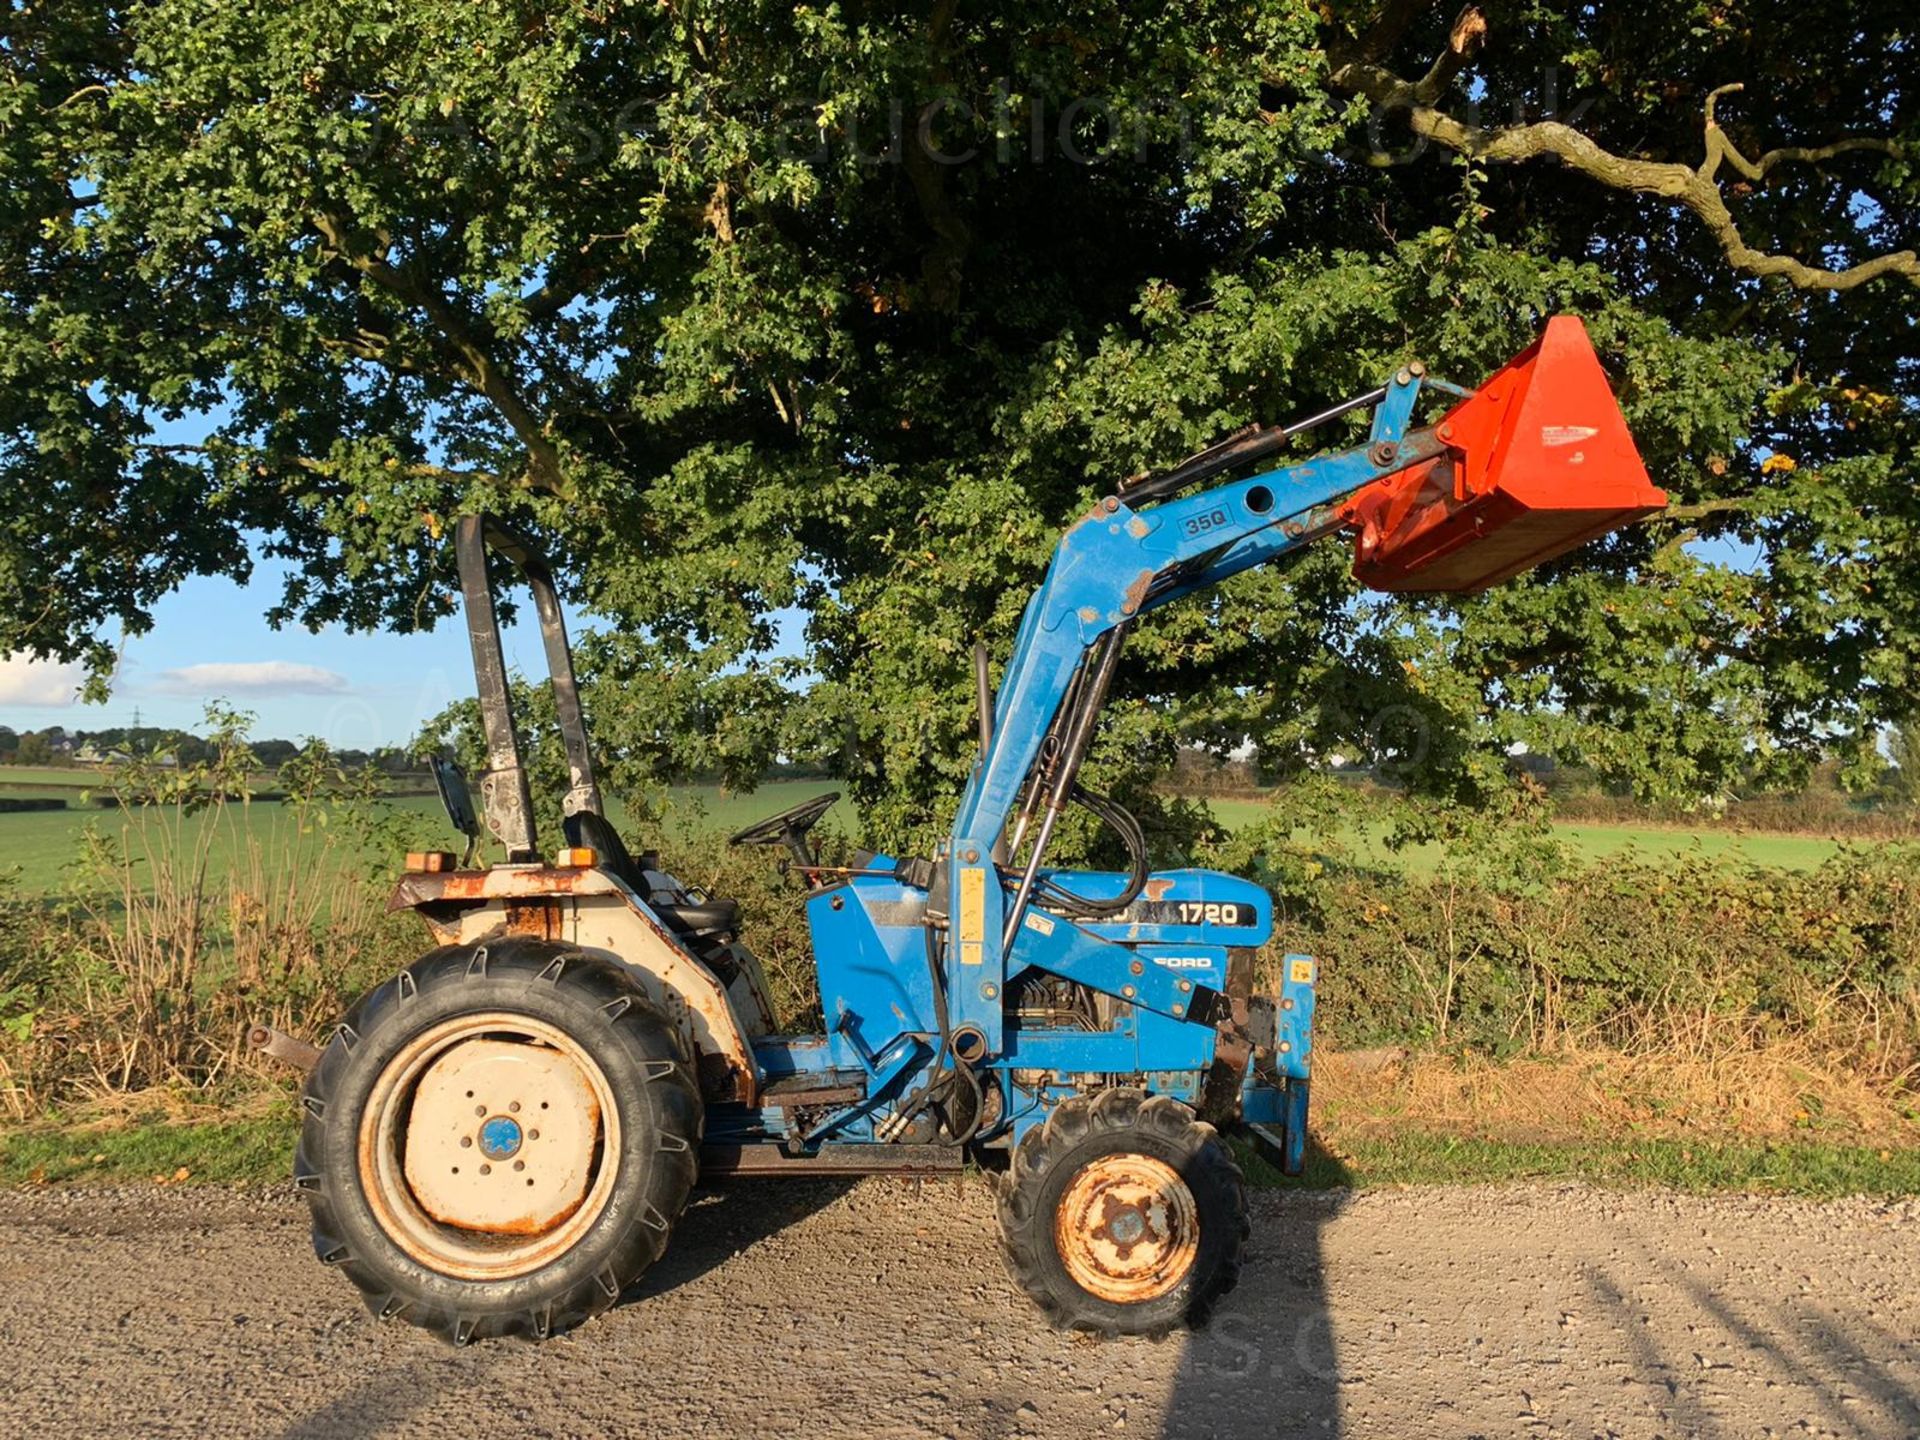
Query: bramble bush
point(1644, 957)
point(1514, 946)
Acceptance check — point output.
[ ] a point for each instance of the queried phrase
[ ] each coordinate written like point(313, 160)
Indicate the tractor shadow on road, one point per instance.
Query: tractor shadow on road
point(727, 1217)
point(385, 1402)
point(1266, 1367)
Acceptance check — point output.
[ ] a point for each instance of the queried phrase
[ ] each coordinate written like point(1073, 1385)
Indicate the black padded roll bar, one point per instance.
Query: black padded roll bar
point(503, 789)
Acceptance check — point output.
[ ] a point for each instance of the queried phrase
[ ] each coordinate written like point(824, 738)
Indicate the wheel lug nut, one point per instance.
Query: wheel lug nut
point(519, 1164)
point(486, 1169)
point(514, 1107)
point(466, 1142)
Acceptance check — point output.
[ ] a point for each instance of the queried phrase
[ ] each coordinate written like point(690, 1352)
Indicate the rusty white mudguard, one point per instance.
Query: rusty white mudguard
point(593, 910)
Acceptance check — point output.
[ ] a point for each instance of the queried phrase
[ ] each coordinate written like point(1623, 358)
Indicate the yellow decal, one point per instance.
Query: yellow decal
point(973, 915)
point(1302, 971)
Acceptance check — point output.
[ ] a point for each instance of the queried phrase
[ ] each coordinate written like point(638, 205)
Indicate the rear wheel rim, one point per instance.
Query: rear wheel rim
point(1127, 1228)
point(479, 1095)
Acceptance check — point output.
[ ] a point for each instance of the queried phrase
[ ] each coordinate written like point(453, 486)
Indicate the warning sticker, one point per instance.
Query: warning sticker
point(973, 915)
point(1301, 972)
point(1567, 434)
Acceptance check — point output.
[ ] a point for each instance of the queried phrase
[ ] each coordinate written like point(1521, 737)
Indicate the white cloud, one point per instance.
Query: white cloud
point(250, 677)
point(27, 680)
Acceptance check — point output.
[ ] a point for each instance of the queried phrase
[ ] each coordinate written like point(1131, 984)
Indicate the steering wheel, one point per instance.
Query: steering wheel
point(791, 824)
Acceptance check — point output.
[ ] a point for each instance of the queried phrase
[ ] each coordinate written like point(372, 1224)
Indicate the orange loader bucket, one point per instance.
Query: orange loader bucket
point(1538, 461)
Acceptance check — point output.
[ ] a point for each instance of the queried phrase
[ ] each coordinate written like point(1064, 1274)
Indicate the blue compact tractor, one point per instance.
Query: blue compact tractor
point(498, 1140)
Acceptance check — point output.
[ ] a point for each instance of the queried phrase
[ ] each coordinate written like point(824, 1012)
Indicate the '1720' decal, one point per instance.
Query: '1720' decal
point(1191, 912)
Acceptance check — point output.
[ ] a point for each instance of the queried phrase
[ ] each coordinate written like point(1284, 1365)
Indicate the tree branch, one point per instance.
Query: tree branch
point(81, 94)
point(1691, 187)
point(558, 293)
point(1468, 34)
point(1719, 147)
point(1727, 505)
point(473, 362)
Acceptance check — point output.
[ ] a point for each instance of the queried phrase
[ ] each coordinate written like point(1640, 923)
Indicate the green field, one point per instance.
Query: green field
point(1588, 841)
point(40, 846)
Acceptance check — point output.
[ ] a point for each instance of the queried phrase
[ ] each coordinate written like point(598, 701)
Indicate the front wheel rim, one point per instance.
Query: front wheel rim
point(1127, 1228)
point(489, 1145)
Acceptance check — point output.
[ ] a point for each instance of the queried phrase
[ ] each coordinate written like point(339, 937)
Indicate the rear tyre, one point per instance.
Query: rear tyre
point(1124, 1215)
point(498, 1140)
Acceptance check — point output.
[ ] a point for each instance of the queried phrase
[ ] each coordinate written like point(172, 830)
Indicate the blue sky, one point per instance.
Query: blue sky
point(209, 641)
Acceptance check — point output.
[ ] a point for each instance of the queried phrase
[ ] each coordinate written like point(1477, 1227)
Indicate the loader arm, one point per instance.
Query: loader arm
point(1531, 464)
point(1119, 562)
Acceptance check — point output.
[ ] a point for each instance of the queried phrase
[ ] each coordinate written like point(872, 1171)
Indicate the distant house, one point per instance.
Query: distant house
point(61, 745)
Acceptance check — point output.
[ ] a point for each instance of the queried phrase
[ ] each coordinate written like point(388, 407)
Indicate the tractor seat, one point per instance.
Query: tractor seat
point(689, 917)
point(688, 913)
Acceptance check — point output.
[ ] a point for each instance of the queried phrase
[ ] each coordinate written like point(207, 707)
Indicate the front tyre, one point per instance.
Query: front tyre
point(498, 1140)
point(1124, 1215)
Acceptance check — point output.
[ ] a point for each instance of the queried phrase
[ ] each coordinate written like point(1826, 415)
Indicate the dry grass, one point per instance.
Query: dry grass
point(174, 967)
point(1774, 1092)
point(143, 977)
point(176, 1105)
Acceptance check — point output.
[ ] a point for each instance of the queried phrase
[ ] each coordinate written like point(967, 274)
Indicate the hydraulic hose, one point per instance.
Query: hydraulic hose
point(1116, 815)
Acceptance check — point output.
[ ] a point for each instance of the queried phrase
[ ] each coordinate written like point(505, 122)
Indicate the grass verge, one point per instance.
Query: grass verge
point(230, 1150)
point(258, 1148)
point(1809, 1168)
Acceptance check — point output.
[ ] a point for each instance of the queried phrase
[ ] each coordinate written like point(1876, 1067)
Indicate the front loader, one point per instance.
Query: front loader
point(499, 1140)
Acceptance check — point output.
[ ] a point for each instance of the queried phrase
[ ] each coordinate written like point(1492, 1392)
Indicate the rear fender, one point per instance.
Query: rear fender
point(593, 910)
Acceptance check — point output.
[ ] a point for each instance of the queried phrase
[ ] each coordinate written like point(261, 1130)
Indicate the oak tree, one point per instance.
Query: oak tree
point(798, 331)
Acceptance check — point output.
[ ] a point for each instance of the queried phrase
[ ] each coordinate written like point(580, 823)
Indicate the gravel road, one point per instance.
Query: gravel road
point(880, 1309)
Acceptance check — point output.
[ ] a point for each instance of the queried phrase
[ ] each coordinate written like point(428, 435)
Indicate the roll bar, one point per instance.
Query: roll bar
point(504, 793)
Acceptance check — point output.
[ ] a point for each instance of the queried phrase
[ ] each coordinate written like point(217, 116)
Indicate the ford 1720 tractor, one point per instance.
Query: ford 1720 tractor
point(498, 1140)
